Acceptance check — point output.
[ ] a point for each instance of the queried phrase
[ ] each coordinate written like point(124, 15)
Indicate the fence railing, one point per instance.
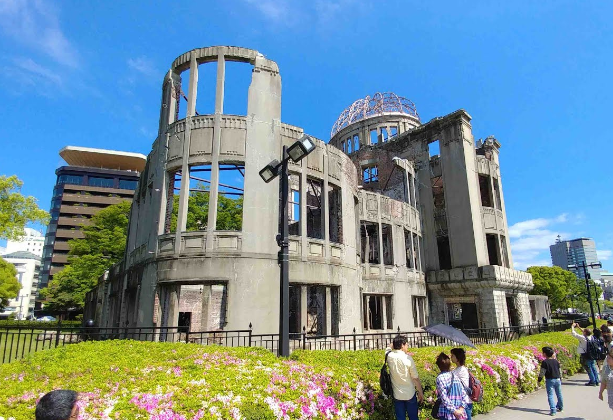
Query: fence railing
point(17, 343)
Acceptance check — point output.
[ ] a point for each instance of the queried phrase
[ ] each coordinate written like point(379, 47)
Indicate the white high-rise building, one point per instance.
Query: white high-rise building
point(33, 242)
point(28, 266)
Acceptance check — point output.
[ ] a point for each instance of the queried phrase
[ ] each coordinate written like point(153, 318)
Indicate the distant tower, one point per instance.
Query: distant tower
point(575, 251)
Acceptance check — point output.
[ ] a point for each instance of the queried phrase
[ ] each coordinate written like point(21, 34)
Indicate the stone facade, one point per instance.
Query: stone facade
point(365, 225)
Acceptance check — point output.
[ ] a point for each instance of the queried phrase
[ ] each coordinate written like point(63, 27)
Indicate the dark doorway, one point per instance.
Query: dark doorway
point(185, 321)
point(492, 249)
point(444, 252)
point(512, 312)
point(463, 316)
point(294, 309)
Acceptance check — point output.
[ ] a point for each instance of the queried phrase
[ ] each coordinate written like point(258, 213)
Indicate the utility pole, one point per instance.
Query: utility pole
point(584, 265)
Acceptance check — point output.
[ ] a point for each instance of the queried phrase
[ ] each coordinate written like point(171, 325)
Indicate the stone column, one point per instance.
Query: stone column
point(328, 306)
point(493, 309)
point(184, 193)
point(462, 203)
point(214, 192)
point(522, 303)
point(383, 313)
point(304, 302)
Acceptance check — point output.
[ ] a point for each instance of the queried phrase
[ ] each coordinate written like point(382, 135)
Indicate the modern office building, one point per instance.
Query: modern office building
point(387, 230)
point(607, 284)
point(94, 179)
point(27, 265)
point(575, 252)
point(32, 241)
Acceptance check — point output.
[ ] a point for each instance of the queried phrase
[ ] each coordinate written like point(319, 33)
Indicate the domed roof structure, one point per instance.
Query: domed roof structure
point(378, 104)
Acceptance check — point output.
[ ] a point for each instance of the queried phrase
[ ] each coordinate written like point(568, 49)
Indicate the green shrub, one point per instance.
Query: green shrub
point(38, 325)
point(138, 380)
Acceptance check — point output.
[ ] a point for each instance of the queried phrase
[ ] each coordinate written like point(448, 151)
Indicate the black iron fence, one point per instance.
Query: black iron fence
point(18, 342)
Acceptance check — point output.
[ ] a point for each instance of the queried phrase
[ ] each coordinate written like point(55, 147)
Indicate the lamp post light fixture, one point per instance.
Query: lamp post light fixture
point(296, 152)
point(584, 265)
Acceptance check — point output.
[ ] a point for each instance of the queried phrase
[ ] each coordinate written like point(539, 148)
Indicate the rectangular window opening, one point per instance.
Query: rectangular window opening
point(336, 315)
point(434, 148)
point(294, 205)
point(492, 249)
point(295, 299)
point(335, 216)
point(182, 92)
point(369, 234)
point(408, 244)
point(237, 81)
point(485, 190)
point(377, 310)
point(444, 252)
point(384, 134)
point(394, 131)
point(230, 197)
point(497, 193)
point(419, 311)
point(370, 174)
point(388, 244)
point(374, 138)
point(314, 202)
point(316, 310)
point(348, 142)
point(356, 142)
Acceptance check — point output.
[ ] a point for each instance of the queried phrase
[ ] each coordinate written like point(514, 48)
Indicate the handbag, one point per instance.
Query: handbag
point(435, 407)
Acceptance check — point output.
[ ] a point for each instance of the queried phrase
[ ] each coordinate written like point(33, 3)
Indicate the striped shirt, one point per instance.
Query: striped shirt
point(452, 394)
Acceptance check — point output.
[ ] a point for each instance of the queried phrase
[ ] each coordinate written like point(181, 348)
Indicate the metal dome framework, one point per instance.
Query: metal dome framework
point(378, 104)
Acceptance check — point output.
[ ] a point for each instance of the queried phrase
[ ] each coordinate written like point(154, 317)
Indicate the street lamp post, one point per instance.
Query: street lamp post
point(296, 152)
point(584, 265)
point(596, 297)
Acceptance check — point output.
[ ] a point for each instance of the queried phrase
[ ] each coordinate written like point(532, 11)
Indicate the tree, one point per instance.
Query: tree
point(9, 286)
point(16, 210)
point(562, 287)
point(229, 211)
point(103, 246)
point(555, 283)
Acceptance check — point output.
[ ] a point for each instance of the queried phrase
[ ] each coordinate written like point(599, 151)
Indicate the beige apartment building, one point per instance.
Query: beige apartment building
point(385, 231)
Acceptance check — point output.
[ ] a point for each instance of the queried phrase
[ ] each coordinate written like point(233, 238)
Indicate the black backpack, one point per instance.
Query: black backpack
point(385, 379)
point(596, 349)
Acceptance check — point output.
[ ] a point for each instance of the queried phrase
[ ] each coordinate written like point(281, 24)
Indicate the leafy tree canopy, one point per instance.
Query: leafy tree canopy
point(562, 287)
point(9, 286)
point(103, 246)
point(229, 211)
point(16, 210)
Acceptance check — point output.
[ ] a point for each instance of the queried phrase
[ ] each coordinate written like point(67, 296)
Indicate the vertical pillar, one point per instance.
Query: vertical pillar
point(367, 312)
point(304, 314)
point(426, 204)
point(206, 306)
point(324, 207)
point(184, 193)
point(383, 313)
point(380, 234)
point(462, 204)
point(214, 191)
point(303, 212)
point(328, 306)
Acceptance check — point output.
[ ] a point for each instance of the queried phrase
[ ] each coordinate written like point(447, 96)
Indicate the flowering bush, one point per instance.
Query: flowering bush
point(174, 381)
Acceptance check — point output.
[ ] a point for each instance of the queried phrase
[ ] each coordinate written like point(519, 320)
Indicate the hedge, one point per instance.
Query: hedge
point(176, 381)
point(38, 325)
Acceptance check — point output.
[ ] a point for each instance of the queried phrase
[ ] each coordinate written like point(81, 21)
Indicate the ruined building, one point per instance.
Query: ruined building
point(384, 232)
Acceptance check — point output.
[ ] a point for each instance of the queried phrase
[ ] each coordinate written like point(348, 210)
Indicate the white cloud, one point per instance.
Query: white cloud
point(275, 10)
point(143, 65)
point(530, 240)
point(35, 24)
point(38, 73)
point(604, 254)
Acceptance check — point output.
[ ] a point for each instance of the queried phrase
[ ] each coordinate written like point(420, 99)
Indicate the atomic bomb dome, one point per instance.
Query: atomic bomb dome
point(387, 103)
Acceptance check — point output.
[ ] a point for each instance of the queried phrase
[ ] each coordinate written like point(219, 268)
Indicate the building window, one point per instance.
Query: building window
point(419, 311)
point(388, 247)
point(127, 184)
point(369, 235)
point(96, 181)
point(316, 310)
point(486, 191)
point(356, 143)
point(377, 311)
point(70, 179)
point(370, 174)
point(315, 223)
point(335, 214)
point(293, 213)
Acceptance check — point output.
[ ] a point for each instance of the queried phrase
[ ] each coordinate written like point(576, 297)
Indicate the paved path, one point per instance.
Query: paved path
point(580, 403)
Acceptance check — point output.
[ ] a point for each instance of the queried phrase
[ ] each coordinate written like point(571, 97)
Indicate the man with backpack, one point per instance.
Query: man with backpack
point(588, 353)
point(472, 385)
point(406, 386)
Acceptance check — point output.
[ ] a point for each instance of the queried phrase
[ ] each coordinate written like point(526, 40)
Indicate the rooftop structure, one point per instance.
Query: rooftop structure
point(102, 158)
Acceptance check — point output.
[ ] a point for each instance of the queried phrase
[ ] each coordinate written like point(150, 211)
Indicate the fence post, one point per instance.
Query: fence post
point(250, 332)
point(539, 325)
point(187, 335)
point(303, 337)
point(59, 329)
point(355, 347)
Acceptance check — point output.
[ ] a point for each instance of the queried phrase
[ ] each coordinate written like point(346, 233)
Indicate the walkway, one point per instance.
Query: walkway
point(580, 403)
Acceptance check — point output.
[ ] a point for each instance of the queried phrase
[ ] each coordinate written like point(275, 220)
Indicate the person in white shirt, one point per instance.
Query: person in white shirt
point(407, 389)
point(458, 357)
point(588, 364)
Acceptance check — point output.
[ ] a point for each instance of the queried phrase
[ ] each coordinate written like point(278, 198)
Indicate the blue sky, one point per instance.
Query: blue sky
point(537, 76)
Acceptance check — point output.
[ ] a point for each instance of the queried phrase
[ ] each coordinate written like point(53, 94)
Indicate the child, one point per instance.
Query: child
point(550, 369)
